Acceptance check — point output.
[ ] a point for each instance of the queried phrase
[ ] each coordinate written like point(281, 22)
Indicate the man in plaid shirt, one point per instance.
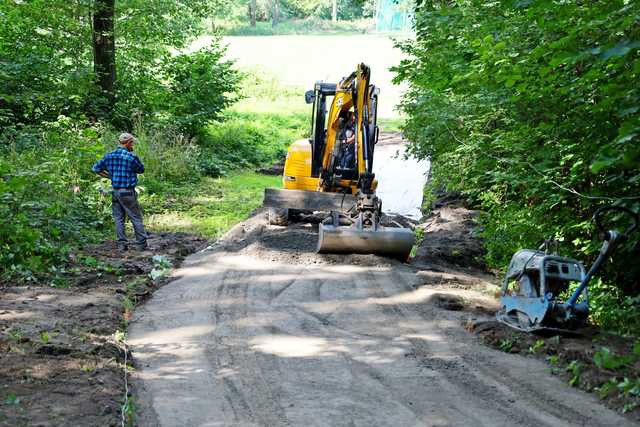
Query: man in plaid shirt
point(121, 166)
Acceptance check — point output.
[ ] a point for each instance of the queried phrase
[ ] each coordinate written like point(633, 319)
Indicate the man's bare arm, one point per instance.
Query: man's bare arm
point(104, 174)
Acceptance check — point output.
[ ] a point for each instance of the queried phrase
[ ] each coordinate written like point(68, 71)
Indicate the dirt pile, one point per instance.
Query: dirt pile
point(276, 169)
point(61, 360)
point(295, 243)
point(450, 237)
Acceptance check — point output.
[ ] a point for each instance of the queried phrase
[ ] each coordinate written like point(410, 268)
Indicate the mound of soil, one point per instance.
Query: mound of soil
point(295, 243)
point(593, 361)
point(450, 237)
point(61, 363)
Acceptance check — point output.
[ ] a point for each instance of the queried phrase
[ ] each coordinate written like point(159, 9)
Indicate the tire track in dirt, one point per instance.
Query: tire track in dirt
point(255, 392)
point(240, 339)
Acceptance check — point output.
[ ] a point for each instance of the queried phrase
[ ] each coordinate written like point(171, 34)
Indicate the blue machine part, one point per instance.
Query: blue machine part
point(531, 287)
point(536, 280)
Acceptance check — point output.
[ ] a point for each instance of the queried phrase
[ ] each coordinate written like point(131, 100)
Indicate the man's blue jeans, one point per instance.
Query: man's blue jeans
point(125, 204)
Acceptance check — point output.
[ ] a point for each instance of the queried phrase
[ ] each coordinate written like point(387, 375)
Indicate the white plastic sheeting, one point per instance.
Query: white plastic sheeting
point(400, 181)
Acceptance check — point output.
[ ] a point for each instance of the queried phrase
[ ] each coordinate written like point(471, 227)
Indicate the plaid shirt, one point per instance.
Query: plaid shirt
point(123, 167)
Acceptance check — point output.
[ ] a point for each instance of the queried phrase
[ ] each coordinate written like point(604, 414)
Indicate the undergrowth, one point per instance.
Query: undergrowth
point(51, 202)
point(209, 207)
point(256, 130)
point(309, 26)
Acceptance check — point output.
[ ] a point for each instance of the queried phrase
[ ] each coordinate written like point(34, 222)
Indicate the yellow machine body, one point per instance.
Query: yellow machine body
point(297, 168)
point(315, 179)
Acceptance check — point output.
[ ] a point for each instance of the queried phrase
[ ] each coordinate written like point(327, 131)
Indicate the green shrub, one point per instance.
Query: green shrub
point(248, 140)
point(200, 86)
point(49, 200)
point(169, 156)
point(294, 26)
point(530, 109)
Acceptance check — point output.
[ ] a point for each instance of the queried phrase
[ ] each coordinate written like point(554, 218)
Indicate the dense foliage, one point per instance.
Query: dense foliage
point(55, 122)
point(47, 62)
point(531, 108)
point(296, 16)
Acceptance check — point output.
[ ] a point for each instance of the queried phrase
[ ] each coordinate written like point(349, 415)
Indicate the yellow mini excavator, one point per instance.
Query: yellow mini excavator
point(316, 178)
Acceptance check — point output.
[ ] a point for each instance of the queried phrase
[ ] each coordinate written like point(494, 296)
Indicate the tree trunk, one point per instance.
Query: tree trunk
point(252, 12)
point(104, 49)
point(334, 11)
point(275, 13)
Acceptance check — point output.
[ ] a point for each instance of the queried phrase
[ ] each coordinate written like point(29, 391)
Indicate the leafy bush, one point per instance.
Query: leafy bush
point(248, 140)
point(200, 86)
point(170, 158)
point(295, 26)
point(49, 202)
point(531, 109)
point(47, 64)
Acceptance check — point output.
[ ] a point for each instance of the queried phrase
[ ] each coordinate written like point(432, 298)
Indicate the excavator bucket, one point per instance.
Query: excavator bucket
point(386, 241)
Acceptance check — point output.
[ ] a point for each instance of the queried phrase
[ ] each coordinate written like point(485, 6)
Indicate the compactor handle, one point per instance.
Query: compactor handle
point(598, 215)
point(612, 239)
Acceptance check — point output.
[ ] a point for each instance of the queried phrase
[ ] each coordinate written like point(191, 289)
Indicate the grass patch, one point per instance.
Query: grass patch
point(257, 130)
point(211, 206)
point(247, 140)
point(390, 125)
point(309, 26)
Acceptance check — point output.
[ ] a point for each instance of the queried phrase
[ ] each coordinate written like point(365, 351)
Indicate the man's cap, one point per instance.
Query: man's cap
point(125, 136)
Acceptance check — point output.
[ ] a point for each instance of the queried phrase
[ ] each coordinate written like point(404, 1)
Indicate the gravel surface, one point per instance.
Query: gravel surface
point(259, 330)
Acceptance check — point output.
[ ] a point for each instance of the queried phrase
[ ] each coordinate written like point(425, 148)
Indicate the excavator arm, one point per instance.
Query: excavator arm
point(353, 92)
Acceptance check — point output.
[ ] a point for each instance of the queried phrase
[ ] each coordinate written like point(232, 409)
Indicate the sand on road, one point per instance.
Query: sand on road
point(259, 330)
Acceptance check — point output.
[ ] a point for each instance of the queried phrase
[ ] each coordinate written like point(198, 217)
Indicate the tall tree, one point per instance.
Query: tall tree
point(104, 49)
point(334, 11)
point(252, 12)
point(275, 13)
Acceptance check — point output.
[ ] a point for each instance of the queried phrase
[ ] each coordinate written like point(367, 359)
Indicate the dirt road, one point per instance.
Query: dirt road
point(259, 330)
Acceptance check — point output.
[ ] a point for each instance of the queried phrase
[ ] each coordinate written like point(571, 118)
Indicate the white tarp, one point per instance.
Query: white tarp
point(400, 182)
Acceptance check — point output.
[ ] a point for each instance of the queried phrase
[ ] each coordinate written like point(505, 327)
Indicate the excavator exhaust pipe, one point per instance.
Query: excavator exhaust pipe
point(386, 241)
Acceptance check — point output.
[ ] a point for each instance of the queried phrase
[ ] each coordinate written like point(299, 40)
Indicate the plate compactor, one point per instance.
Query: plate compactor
point(536, 281)
point(332, 172)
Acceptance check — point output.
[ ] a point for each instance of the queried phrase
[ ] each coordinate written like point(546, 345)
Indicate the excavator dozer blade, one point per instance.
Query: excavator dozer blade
point(386, 241)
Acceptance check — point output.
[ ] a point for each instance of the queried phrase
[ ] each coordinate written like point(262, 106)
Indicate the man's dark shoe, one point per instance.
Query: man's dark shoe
point(123, 248)
point(142, 248)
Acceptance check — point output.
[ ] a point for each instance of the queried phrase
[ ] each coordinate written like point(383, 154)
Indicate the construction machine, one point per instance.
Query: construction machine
point(316, 177)
point(544, 292)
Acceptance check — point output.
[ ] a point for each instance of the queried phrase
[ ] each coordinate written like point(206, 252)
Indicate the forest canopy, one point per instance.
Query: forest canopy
point(51, 49)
